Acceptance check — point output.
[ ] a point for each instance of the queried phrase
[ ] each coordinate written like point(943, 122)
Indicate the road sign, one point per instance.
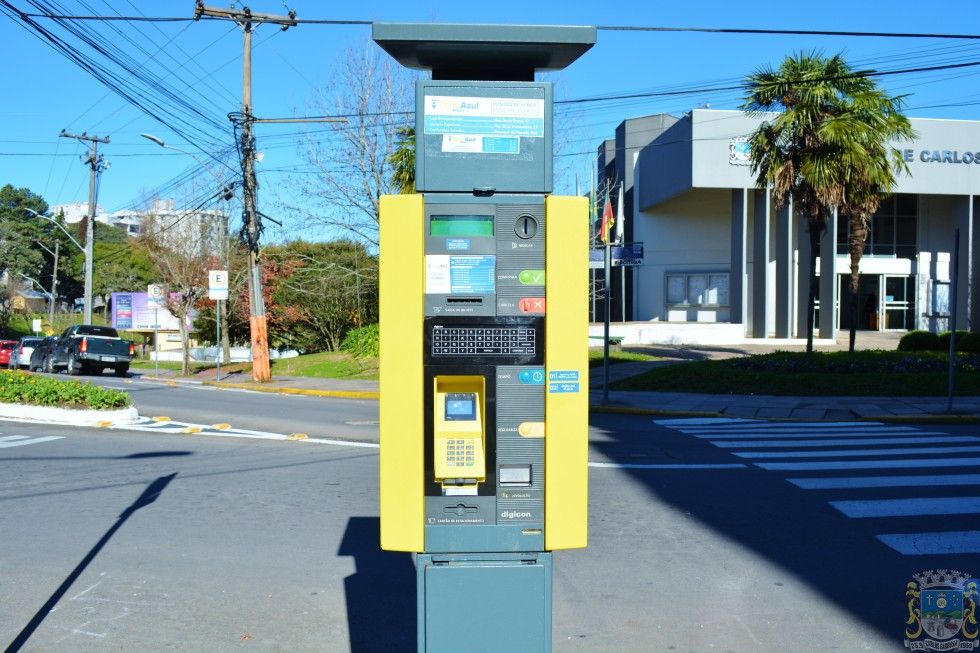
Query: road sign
point(218, 284)
point(36, 325)
point(155, 295)
point(627, 255)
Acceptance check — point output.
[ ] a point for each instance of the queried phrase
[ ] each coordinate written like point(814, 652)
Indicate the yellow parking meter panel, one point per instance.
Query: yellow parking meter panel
point(402, 414)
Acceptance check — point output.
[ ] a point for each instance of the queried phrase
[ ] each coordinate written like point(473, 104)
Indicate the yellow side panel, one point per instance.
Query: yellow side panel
point(401, 289)
point(566, 412)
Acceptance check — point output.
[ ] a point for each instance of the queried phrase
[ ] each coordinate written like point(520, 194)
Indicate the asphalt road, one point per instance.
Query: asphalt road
point(154, 541)
point(327, 417)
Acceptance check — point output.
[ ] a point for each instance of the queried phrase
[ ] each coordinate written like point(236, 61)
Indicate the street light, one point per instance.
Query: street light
point(54, 277)
point(226, 194)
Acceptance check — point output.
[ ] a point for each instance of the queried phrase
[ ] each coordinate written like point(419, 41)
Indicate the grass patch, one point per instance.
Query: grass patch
point(328, 365)
point(36, 390)
point(617, 356)
point(858, 374)
point(175, 366)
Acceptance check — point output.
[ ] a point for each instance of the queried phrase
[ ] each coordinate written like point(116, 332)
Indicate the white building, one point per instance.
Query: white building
point(723, 265)
point(180, 224)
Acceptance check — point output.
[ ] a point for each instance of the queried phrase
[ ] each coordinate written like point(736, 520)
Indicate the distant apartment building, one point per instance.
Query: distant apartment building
point(723, 264)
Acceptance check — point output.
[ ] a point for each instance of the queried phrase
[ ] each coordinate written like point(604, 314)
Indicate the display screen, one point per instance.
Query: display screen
point(461, 225)
point(460, 406)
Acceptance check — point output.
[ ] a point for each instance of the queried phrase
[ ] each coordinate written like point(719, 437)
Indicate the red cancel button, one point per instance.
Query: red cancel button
point(531, 305)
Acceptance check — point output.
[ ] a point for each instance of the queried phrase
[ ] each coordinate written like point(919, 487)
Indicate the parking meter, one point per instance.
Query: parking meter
point(483, 313)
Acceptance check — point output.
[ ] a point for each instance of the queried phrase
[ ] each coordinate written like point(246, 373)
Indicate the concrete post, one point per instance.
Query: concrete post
point(828, 280)
point(760, 263)
point(784, 270)
point(737, 288)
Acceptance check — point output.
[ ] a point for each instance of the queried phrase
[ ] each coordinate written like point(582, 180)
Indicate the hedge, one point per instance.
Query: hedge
point(24, 388)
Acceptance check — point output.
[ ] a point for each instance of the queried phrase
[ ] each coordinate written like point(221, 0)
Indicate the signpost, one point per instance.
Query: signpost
point(218, 291)
point(155, 297)
point(36, 325)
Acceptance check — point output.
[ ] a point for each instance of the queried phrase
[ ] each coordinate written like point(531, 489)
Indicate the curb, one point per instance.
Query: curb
point(342, 394)
point(923, 419)
point(632, 410)
point(68, 416)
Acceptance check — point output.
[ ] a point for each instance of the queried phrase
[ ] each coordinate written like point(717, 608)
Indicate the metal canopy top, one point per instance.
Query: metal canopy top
point(484, 52)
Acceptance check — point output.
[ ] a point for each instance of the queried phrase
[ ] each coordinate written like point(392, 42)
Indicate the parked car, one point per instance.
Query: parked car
point(85, 348)
point(41, 354)
point(6, 349)
point(21, 356)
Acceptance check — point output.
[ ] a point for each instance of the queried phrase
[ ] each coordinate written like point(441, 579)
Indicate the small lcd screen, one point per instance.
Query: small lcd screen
point(460, 407)
point(461, 225)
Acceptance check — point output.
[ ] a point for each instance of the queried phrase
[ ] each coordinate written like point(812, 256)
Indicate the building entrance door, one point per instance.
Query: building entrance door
point(869, 302)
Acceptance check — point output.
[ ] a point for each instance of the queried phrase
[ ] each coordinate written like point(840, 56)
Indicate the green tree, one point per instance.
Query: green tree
point(826, 147)
point(20, 232)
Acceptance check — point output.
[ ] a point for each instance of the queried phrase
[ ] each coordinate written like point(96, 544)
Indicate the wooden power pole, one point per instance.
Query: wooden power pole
point(96, 165)
point(257, 320)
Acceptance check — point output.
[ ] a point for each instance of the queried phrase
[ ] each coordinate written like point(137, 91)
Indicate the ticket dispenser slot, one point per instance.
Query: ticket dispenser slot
point(459, 432)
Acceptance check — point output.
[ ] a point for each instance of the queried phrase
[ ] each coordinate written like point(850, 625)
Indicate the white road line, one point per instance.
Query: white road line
point(343, 443)
point(20, 443)
point(914, 507)
point(743, 435)
point(870, 464)
point(704, 420)
point(666, 466)
point(797, 426)
point(859, 482)
point(941, 543)
point(847, 453)
point(855, 442)
point(11, 438)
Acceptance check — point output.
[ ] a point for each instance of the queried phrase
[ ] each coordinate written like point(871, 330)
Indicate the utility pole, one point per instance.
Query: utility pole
point(257, 320)
point(96, 165)
point(54, 284)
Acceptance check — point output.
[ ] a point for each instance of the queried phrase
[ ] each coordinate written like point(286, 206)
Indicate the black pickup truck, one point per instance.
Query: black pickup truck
point(85, 348)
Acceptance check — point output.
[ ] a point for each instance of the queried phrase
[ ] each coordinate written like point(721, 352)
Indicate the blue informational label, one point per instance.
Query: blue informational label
point(562, 387)
point(472, 275)
point(457, 244)
point(563, 375)
point(498, 145)
point(485, 126)
point(531, 377)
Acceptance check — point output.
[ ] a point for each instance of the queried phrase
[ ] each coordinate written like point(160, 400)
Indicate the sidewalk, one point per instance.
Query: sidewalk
point(676, 403)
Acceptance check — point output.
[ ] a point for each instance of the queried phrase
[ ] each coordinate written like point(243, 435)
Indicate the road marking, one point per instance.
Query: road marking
point(941, 543)
point(666, 466)
point(725, 444)
point(838, 433)
point(859, 482)
point(871, 464)
point(21, 440)
point(846, 453)
point(221, 427)
point(914, 507)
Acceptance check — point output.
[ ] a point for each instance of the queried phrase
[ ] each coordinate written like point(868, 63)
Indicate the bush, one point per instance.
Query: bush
point(960, 335)
point(24, 388)
point(362, 341)
point(920, 341)
point(969, 342)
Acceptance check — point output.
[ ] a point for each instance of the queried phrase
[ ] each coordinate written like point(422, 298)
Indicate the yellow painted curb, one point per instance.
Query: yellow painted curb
point(102, 424)
point(297, 436)
point(342, 394)
point(171, 383)
point(160, 418)
point(191, 430)
point(221, 427)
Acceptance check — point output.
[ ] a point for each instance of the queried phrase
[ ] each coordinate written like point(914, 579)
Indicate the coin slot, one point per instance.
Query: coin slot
point(526, 227)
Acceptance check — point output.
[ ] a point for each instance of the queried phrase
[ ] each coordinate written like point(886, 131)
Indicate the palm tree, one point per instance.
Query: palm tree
point(402, 160)
point(825, 144)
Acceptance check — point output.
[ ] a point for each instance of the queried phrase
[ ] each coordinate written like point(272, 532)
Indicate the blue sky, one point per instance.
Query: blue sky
point(46, 92)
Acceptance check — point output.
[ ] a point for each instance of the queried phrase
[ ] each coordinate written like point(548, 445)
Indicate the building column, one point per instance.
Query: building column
point(736, 286)
point(803, 277)
point(784, 270)
point(828, 279)
point(760, 263)
point(973, 255)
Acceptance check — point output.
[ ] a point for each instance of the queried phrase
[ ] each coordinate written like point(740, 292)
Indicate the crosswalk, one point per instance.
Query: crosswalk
point(7, 441)
point(844, 458)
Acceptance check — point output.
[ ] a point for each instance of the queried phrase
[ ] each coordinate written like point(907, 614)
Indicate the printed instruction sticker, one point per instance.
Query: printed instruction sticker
point(457, 143)
point(563, 375)
point(562, 387)
point(449, 274)
point(483, 116)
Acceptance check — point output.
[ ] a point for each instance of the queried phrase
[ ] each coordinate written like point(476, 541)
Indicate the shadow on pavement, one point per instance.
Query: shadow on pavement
point(380, 593)
point(794, 529)
point(149, 495)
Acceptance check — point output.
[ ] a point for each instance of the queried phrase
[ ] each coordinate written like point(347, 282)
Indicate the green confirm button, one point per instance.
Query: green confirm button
point(531, 277)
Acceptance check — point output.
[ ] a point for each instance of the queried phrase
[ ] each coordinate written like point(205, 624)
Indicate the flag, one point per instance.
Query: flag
point(607, 221)
point(620, 218)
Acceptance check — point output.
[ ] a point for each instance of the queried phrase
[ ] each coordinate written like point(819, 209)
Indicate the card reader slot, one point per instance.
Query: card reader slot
point(464, 300)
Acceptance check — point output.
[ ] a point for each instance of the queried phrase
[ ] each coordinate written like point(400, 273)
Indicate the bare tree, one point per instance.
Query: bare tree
point(183, 250)
point(352, 159)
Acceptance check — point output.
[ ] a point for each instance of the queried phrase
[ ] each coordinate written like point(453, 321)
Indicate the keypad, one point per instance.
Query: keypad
point(483, 341)
point(459, 453)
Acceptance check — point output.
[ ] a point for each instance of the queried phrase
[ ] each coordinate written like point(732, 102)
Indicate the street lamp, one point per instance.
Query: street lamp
point(226, 194)
point(87, 252)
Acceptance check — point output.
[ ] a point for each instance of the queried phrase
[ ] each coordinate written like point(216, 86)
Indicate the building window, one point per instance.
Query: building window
point(892, 229)
point(697, 289)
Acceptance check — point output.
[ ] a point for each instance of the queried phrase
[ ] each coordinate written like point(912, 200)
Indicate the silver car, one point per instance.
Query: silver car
point(21, 355)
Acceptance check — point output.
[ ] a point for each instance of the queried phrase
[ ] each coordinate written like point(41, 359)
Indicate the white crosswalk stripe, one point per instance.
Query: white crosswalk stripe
point(819, 449)
point(7, 441)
